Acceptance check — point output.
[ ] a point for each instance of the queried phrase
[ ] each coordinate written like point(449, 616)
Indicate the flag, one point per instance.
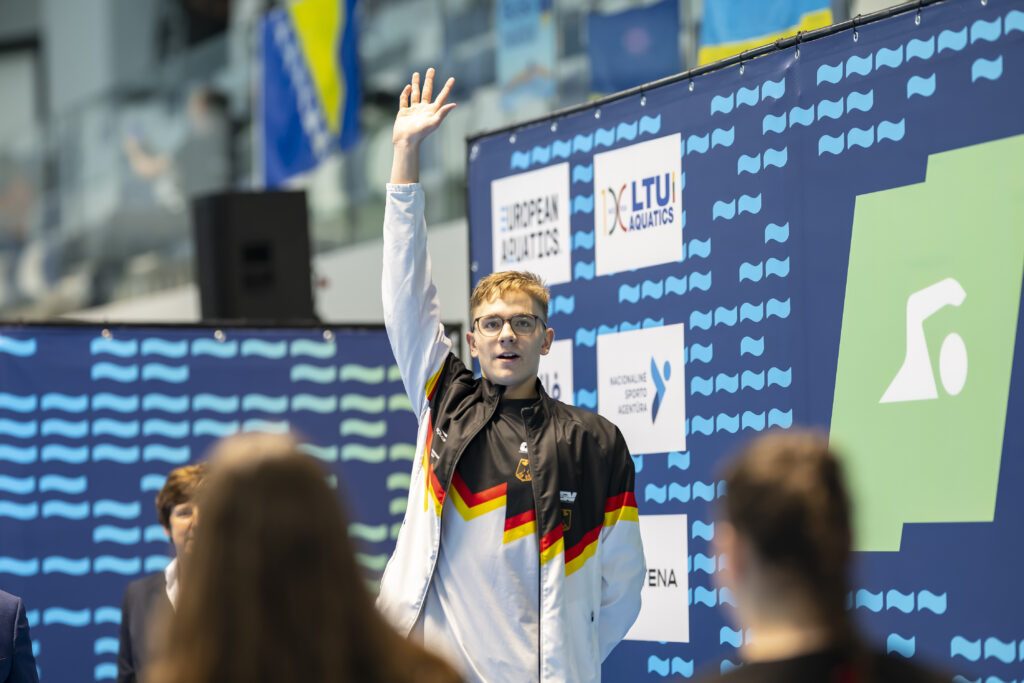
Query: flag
point(525, 51)
point(310, 86)
point(633, 47)
point(734, 26)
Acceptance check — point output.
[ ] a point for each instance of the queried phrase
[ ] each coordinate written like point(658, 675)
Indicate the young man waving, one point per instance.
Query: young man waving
point(520, 556)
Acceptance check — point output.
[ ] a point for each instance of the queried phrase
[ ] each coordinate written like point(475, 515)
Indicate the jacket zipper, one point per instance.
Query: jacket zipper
point(530, 452)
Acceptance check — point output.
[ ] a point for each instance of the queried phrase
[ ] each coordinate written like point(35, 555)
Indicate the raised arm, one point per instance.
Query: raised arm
point(411, 310)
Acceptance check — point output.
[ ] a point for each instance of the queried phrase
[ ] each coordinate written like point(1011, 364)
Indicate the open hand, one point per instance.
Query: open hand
point(419, 113)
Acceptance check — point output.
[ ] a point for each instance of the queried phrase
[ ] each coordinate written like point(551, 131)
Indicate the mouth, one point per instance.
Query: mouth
point(507, 356)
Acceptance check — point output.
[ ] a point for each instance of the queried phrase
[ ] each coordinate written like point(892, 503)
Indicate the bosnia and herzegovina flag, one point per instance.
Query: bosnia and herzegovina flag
point(734, 26)
point(310, 95)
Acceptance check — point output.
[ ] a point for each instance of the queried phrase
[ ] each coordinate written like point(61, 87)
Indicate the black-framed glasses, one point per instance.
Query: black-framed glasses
point(521, 324)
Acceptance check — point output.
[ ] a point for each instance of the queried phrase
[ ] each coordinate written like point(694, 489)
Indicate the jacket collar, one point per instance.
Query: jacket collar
point(539, 413)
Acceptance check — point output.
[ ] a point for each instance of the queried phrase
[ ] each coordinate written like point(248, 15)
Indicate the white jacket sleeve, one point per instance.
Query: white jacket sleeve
point(412, 314)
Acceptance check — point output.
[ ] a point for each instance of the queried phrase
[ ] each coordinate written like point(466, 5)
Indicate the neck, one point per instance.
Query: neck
point(527, 389)
point(780, 640)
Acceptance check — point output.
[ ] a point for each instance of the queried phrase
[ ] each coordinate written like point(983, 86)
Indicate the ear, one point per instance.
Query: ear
point(549, 337)
point(471, 340)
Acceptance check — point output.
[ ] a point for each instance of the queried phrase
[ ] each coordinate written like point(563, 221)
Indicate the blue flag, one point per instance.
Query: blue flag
point(310, 97)
point(634, 47)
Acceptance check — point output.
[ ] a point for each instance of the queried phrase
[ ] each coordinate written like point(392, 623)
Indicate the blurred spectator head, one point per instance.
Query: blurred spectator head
point(786, 532)
point(274, 591)
point(175, 505)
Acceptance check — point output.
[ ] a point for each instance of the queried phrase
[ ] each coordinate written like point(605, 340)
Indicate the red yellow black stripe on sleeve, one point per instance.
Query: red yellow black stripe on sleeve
point(620, 508)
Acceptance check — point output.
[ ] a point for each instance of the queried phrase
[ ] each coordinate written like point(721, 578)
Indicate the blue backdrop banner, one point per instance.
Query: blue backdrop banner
point(830, 235)
point(92, 420)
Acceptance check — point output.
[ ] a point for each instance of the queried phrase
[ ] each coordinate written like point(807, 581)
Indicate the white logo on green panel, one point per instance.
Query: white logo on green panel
point(929, 321)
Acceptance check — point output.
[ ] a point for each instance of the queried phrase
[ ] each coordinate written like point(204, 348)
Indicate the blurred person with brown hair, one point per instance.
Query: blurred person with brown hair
point(274, 592)
point(785, 530)
point(151, 596)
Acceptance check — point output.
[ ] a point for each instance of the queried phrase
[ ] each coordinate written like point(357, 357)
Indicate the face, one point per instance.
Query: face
point(508, 358)
point(182, 526)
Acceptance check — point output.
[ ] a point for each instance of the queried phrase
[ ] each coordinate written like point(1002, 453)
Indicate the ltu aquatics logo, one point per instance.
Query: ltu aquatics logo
point(643, 203)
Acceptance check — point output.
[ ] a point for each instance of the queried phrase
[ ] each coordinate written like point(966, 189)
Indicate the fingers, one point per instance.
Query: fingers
point(443, 111)
point(443, 95)
point(415, 95)
point(428, 86)
point(403, 99)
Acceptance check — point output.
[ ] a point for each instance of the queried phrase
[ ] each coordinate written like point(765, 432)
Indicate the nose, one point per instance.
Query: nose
point(510, 335)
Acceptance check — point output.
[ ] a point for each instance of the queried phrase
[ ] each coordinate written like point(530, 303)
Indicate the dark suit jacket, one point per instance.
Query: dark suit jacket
point(17, 665)
point(145, 599)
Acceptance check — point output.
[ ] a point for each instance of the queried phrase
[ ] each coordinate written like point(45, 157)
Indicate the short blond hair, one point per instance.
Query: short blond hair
point(497, 285)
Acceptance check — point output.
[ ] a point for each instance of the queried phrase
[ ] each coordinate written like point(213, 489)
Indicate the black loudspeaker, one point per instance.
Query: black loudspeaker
point(253, 256)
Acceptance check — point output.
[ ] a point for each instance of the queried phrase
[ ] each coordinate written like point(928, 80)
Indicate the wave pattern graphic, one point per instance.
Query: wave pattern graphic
point(167, 404)
point(117, 403)
point(17, 567)
point(986, 30)
point(119, 429)
point(65, 403)
point(125, 348)
point(722, 104)
point(772, 123)
point(21, 348)
point(107, 615)
point(702, 530)
point(371, 405)
point(892, 130)
point(746, 97)
point(152, 482)
point(583, 203)
point(108, 564)
point(904, 602)
point(161, 372)
point(953, 40)
point(562, 304)
point(175, 455)
point(721, 137)
point(166, 428)
point(17, 486)
point(830, 109)
point(889, 57)
point(583, 239)
point(73, 455)
point(58, 483)
point(920, 49)
point(116, 509)
point(858, 66)
point(369, 429)
point(923, 86)
point(962, 647)
point(66, 565)
point(987, 69)
point(860, 101)
point(867, 599)
point(106, 533)
point(267, 426)
point(65, 617)
point(313, 373)
point(583, 173)
point(935, 603)
point(903, 646)
point(311, 348)
point(264, 349)
point(828, 73)
point(265, 404)
point(1014, 21)
point(166, 348)
point(364, 374)
point(215, 348)
point(18, 455)
point(19, 511)
point(324, 453)
point(829, 144)
point(776, 233)
point(314, 404)
point(114, 372)
point(18, 404)
point(860, 137)
point(601, 137)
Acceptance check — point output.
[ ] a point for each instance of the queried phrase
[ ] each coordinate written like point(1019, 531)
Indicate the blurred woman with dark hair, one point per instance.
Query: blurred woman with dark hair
point(274, 591)
point(786, 533)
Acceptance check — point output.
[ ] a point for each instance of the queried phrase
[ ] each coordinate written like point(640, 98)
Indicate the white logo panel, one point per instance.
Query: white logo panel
point(530, 223)
point(641, 387)
point(638, 206)
point(664, 610)
point(555, 371)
